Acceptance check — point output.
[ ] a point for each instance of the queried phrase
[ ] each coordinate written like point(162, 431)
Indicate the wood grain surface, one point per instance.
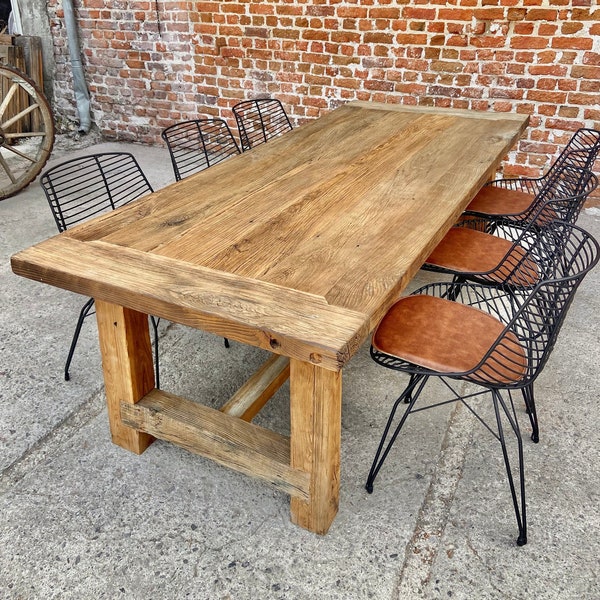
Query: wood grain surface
point(299, 246)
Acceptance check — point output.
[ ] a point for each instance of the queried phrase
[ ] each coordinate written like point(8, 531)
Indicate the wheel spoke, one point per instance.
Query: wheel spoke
point(24, 134)
point(19, 116)
point(19, 153)
point(7, 169)
point(9, 96)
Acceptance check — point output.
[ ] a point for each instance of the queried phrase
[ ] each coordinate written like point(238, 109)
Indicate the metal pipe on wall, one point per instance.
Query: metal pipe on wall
point(82, 95)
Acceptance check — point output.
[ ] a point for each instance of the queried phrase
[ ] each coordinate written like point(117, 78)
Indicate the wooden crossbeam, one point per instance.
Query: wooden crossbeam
point(234, 443)
point(247, 402)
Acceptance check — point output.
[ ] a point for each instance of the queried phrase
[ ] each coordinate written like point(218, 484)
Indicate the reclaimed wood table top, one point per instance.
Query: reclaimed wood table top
point(298, 246)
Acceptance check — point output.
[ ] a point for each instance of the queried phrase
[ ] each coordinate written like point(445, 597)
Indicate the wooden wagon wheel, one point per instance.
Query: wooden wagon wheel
point(26, 131)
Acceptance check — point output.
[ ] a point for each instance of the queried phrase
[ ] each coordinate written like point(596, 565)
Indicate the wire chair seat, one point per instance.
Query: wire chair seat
point(198, 144)
point(489, 336)
point(522, 197)
point(516, 253)
point(85, 187)
point(259, 120)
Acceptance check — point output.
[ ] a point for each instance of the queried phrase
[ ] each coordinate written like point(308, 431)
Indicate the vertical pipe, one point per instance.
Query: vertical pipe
point(82, 95)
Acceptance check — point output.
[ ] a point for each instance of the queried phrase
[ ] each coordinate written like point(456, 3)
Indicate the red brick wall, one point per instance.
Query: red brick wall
point(147, 68)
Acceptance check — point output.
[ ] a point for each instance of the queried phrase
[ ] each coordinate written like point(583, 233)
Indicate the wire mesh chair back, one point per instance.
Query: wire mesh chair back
point(581, 151)
point(85, 187)
point(563, 197)
point(531, 320)
point(198, 144)
point(260, 120)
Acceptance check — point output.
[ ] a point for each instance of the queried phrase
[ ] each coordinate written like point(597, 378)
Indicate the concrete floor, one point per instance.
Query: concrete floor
point(81, 518)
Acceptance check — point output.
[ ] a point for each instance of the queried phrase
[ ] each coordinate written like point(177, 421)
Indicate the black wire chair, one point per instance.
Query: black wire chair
point(516, 254)
point(88, 186)
point(562, 196)
point(198, 144)
point(581, 151)
point(488, 336)
point(259, 120)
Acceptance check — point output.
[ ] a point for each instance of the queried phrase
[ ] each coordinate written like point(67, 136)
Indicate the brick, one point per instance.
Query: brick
point(547, 96)
point(588, 86)
point(389, 12)
point(586, 72)
point(444, 66)
point(411, 39)
point(569, 112)
point(555, 70)
point(592, 113)
point(583, 99)
point(542, 14)
point(420, 13)
point(529, 42)
point(438, 90)
point(488, 41)
point(577, 43)
point(524, 29)
point(591, 58)
point(378, 38)
point(508, 93)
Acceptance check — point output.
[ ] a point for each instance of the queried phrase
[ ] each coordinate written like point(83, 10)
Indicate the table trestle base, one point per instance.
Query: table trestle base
point(227, 440)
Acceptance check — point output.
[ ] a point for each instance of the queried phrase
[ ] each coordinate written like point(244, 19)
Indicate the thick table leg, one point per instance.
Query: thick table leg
point(316, 408)
point(128, 368)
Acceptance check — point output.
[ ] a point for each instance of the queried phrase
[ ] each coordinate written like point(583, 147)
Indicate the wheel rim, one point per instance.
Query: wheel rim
point(26, 131)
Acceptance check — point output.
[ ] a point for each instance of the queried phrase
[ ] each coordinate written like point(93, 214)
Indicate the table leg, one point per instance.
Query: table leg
point(316, 408)
point(128, 368)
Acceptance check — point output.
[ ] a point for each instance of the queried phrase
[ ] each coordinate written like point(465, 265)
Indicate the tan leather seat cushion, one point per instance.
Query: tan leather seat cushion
point(464, 250)
point(492, 200)
point(448, 337)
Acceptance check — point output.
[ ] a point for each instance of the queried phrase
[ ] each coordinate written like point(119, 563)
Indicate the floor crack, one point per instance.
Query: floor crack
point(423, 547)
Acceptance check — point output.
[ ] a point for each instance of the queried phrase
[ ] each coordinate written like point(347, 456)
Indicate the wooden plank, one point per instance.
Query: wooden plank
point(276, 319)
point(234, 443)
point(20, 101)
point(316, 409)
point(32, 52)
point(247, 402)
point(128, 368)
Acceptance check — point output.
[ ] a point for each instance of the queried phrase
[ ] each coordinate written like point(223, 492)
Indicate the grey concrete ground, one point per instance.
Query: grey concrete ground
point(83, 519)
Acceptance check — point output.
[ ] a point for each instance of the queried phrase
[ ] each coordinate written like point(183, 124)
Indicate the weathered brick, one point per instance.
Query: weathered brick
point(583, 99)
point(576, 43)
point(529, 42)
point(547, 96)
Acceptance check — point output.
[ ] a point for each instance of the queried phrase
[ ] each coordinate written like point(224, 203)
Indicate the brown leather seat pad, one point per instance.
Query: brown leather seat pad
point(448, 337)
point(492, 200)
point(465, 250)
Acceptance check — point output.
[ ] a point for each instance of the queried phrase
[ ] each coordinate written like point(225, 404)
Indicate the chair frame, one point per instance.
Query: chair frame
point(534, 319)
point(560, 198)
point(580, 151)
point(269, 113)
point(104, 177)
point(198, 144)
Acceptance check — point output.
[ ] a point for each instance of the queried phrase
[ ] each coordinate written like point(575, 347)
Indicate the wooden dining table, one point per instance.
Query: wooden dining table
point(298, 247)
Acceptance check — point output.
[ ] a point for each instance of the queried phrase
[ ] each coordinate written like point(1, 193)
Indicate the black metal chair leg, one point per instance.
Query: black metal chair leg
point(454, 290)
point(415, 380)
point(82, 315)
point(226, 342)
point(530, 404)
point(520, 513)
point(408, 397)
point(155, 321)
